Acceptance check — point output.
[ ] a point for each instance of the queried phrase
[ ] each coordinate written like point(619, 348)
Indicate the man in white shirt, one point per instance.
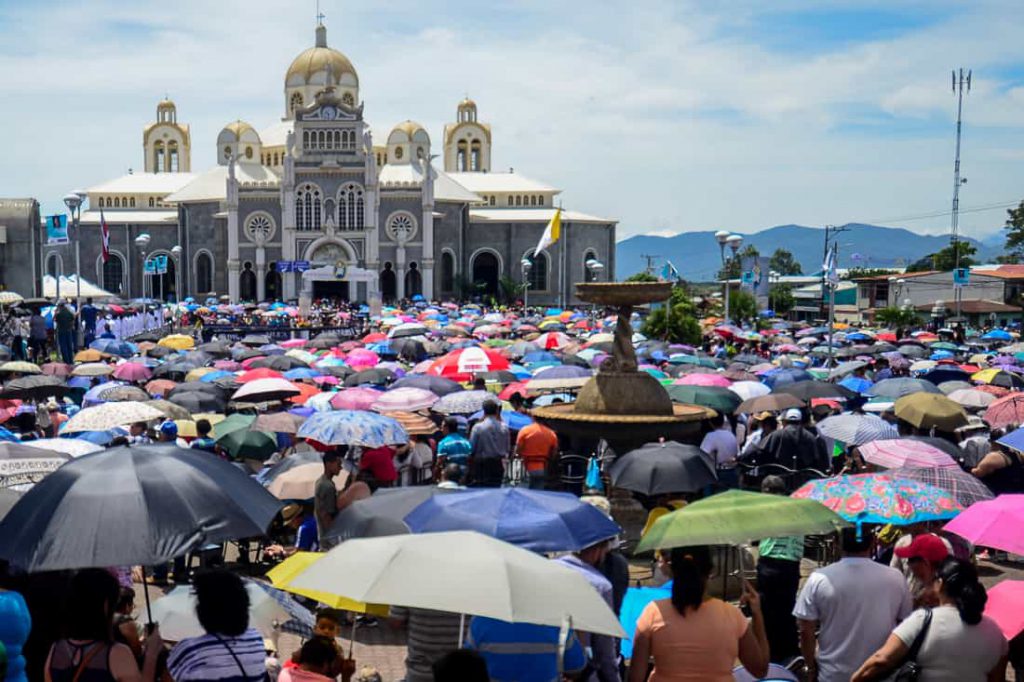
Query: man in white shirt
point(721, 444)
point(853, 605)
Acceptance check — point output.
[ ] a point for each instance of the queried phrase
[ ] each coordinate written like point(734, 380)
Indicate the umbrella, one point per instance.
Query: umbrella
point(1005, 411)
point(715, 397)
point(90, 369)
point(464, 402)
point(56, 369)
point(37, 387)
point(971, 399)
point(1005, 605)
point(881, 498)
point(844, 368)
point(347, 427)
point(299, 482)
point(109, 415)
point(414, 424)
point(114, 347)
point(737, 516)
point(177, 342)
point(283, 575)
point(8, 498)
point(462, 363)
point(176, 612)
point(992, 377)
point(381, 514)
point(993, 523)
point(247, 444)
point(266, 390)
point(774, 402)
point(377, 376)
point(659, 468)
point(120, 393)
point(777, 378)
point(749, 389)
point(901, 386)
point(278, 422)
point(88, 355)
point(930, 410)
point(537, 520)
point(21, 465)
point(112, 508)
point(408, 329)
point(160, 387)
point(74, 447)
point(805, 390)
point(404, 400)
point(897, 452)
point(966, 488)
point(132, 371)
point(703, 379)
point(281, 363)
point(856, 429)
point(470, 573)
point(355, 398)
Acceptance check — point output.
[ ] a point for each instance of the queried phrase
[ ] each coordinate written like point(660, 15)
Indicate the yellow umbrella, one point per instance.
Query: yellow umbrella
point(199, 373)
point(282, 575)
point(212, 417)
point(88, 355)
point(178, 342)
point(979, 359)
point(985, 376)
point(186, 428)
point(927, 410)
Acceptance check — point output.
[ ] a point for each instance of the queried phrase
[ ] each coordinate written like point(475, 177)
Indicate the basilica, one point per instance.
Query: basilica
point(318, 205)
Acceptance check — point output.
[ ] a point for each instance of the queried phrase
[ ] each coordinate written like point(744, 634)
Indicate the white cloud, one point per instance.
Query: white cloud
point(669, 116)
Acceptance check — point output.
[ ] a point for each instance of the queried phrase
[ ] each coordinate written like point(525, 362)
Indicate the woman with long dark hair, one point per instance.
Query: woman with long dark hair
point(692, 636)
point(960, 644)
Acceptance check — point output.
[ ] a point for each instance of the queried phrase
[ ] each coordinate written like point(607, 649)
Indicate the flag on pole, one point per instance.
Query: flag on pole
point(551, 232)
point(105, 236)
point(830, 266)
point(669, 272)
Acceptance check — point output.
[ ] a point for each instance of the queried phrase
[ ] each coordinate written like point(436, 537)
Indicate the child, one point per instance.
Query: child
point(326, 628)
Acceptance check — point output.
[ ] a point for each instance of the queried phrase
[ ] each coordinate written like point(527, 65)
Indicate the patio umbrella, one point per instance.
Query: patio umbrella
point(471, 573)
point(347, 427)
point(404, 400)
point(717, 398)
point(109, 415)
point(464, 402)
point(59, 524)
point(774, 402)
point(967, 489)
point(37, 387)
point(537, 520)
point(21, 465)
point(283, 575)
point(901, 386)
point(897, 452)
point(266, 390)
point(176, 612)
point(856, 429)
point(737, 516)
point(930, 410)
point(299, 482)
point(660, 468)
point(993, 523)
point(1005, 411)
point(881, 498)
point(383, 513)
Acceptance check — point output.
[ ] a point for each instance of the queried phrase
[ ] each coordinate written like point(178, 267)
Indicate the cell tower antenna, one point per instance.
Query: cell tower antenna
point(961, 84)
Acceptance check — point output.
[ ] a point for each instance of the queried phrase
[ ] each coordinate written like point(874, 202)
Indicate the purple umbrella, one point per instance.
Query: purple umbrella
point(563, 372)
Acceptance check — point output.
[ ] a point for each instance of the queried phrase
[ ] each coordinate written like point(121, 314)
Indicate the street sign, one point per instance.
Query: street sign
point(156, 265)
point(300, 265)
point(284, 266)
point(962, 276)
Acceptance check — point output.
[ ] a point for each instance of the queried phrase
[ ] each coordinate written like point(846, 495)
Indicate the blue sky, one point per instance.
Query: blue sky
point(668, 115)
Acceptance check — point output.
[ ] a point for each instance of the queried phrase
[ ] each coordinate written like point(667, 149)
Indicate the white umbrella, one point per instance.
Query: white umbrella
point(76, 447)
point(470, 573)
point(10, 297)
point(176, 613)
point(109, 415)
point(856, 429)
point(266, 389)
point(749, 389)
point(971, 398)
point(299, 483)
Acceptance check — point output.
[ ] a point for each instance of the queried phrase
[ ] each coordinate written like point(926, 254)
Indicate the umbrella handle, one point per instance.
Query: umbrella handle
point(462, 629)
point(145, 591)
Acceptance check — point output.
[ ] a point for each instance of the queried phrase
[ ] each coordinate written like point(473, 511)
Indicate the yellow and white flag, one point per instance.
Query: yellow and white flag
point(551, 232)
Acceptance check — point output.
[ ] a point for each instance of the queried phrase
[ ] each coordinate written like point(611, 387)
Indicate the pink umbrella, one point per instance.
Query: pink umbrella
point(133, 371)
point(293, 343)
point(361, 357)
point(1005, 606)
point(703, 380)
point(247, 363)
point(421, 367)
point(355, 398)
point(897, 452)
point(326, 380)
point(993, 523)
point(405, 399)
point(227, 365)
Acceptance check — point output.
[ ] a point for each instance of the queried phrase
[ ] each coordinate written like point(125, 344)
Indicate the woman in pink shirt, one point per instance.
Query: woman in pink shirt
point(694, 637)
point(317, 662)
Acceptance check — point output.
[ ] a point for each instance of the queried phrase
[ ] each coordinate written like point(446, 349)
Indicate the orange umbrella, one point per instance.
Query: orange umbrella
point(306, 391)
point(160, 386)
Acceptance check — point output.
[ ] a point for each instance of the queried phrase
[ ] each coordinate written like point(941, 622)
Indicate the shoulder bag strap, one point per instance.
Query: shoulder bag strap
point(919, 640)
point(241, 669)
point(85, 660)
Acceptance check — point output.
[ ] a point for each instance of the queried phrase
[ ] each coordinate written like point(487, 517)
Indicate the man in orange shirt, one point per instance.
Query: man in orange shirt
point(538, 446)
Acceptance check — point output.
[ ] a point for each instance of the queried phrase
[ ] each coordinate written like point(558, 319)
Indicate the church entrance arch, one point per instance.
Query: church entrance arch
point(485, 269)
point(388, 283)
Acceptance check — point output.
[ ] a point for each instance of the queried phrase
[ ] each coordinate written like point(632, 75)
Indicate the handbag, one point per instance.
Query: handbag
point(910, 669)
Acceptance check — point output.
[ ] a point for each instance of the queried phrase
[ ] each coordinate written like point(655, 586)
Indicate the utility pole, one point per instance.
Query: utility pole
point(961, 84)
point(650, 262)
point(831, 231)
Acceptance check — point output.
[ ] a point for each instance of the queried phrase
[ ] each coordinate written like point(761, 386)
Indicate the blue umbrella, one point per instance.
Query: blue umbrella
point(521, 372)
point(856, 384)
point(211, 377)
point(301, 373)
point(777, 378)
point(998, 335)
point(1013, 440)
point(540, 356)
point(80, 382)
point(940, 355)
point(536, 520)
point(114, 347)
point(633, 604)
point(92, 396)
point(349, 427)
point(516, 421)
point(562, 372)
point(8, 436)
point(101, 437)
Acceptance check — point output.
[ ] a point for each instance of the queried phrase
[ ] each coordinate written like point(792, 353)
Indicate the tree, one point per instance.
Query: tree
point(742, 306)
point(945, 259)
point(896, 317)
point(1015, 231)
point(682, 325)
point(782, 262)
point(734, 266)
point(642, 277)
point(510, 289)
point(860, 273)
point(781, 298)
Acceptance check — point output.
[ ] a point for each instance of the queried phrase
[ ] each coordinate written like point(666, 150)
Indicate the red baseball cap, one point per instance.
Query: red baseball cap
point(927, 546)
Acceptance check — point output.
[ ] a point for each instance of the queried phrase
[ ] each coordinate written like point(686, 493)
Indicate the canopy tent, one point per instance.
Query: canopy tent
point(68, 288)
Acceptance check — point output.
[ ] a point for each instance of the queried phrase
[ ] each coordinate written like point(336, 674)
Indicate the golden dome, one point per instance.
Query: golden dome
point(467, 103)
point(316, 59)
point(410, 128)
point(239, 128)
point(165, 103)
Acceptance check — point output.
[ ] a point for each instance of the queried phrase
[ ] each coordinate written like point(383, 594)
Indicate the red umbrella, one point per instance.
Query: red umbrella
point(461, 364)
point(997, 391)
point(375, 337)
point(1005, 411)
point(133, 371)
point(513, 388)
point(886, 336)
point(160, 387)
point(56, 369)
point(307, 391)
point(247, 363)
point(259, 373)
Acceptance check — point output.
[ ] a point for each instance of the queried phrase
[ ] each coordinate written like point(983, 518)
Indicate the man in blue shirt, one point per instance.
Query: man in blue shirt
point(89, 313)
point(453, 448)
point(523, 652)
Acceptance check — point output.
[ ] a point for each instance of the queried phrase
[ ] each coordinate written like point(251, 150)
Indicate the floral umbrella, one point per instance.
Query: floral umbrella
point(347, 427)
point(408, 399)
point(881, 498)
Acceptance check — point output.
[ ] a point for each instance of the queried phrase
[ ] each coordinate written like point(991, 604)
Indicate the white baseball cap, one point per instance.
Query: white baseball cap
point(793, 415)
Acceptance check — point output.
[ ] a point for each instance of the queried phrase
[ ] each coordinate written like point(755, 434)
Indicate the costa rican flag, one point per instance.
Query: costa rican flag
point(105, 235)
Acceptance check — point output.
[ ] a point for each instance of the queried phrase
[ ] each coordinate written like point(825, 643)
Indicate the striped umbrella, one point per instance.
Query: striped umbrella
point(898, 452)
point(856, 429)
point(414, 424)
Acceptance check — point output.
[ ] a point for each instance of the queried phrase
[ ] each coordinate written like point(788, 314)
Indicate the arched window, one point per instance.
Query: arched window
point(112, 272)
point(152, 202)
point(509, 199)
point(227, 152)
point(538, 277)
point(321, 139)
point(308, 207)
point(54, 265)
point(158, 157)
point(172, 156)
point(272, 283)
point(540, 199)
point(533, 200)
point(132, 202)
point(247, 283)
point(413, 281)
point(117, 202)
point(519, 200)
point(447, 272)
point(248, 152)
point(296, 102)
point(388, 283)
point(305, 139)
point(588, 274)
point(461, 162)
point(124, 202)
point(350, 207)
point(474, 157)
point(204, 272)
point(491, 200)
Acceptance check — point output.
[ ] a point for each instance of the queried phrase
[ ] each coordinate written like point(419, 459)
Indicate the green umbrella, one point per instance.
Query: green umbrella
point(244, 444)
point(234, 422)
point(738, 516)
point(944, 345)
point(715, 397)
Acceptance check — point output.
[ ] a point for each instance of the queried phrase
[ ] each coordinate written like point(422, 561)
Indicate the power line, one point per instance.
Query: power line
point(650, 262)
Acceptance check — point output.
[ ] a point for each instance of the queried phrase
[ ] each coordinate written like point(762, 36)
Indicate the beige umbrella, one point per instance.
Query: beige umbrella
point(930, 410)
point(110, 415)
point(91, 369)
point(470, 573)
point(971, 398)
point(21, 367)
point(299, 483)
point(278, 422)
point(170, 410)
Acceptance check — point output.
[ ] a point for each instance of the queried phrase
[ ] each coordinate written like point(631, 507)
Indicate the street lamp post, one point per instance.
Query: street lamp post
point(74, 201)
point(733, 241)
point(176, 252)
point(594, 268)
point(526, 264)
point(142, 243)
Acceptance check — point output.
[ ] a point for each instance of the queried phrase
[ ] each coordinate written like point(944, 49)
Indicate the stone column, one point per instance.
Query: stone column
point(427, 263)
point(261, 273)
point(288, 288)
point(232, 206)
point(400, 272)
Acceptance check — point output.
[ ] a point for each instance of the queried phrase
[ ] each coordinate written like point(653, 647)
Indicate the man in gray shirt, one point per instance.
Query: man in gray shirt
point(325, 498)
point(491, 444)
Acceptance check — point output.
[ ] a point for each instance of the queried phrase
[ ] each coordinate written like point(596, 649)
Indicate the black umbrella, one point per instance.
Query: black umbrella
point(502, 376)
point(175, 367)
point(436, 385)
point(382, 513)
point(942, 374)
point(662, 468)
point(805, 390)
point(409, 349)
point(34, 387)
point(198, 387)
point(130, 506)
point(160, 352)
point(197, 401)
point(8, 498)
point(340, 371)
point(569, 359)
point(323, 343)
point(25, 465)
point(152, 337)
point(256, 340)
point(375, 376)
point(898, 387)
point(241, 353)
point(199, 357)
point(216, 348)
point(281, 363)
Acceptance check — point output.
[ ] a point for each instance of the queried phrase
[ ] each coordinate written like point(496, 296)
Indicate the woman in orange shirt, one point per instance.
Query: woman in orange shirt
point(694, 637)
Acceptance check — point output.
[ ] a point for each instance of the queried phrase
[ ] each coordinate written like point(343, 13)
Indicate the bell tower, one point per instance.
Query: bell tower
point(167, 144)
point(467, 142)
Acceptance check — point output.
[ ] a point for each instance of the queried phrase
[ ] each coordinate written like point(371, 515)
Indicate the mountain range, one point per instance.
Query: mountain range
point(696, 254)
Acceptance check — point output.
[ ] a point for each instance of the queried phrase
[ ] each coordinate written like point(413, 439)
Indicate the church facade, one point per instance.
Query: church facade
point(315, 205)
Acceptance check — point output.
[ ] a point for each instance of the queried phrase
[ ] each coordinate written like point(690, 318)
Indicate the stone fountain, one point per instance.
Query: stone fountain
point(625, 406)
